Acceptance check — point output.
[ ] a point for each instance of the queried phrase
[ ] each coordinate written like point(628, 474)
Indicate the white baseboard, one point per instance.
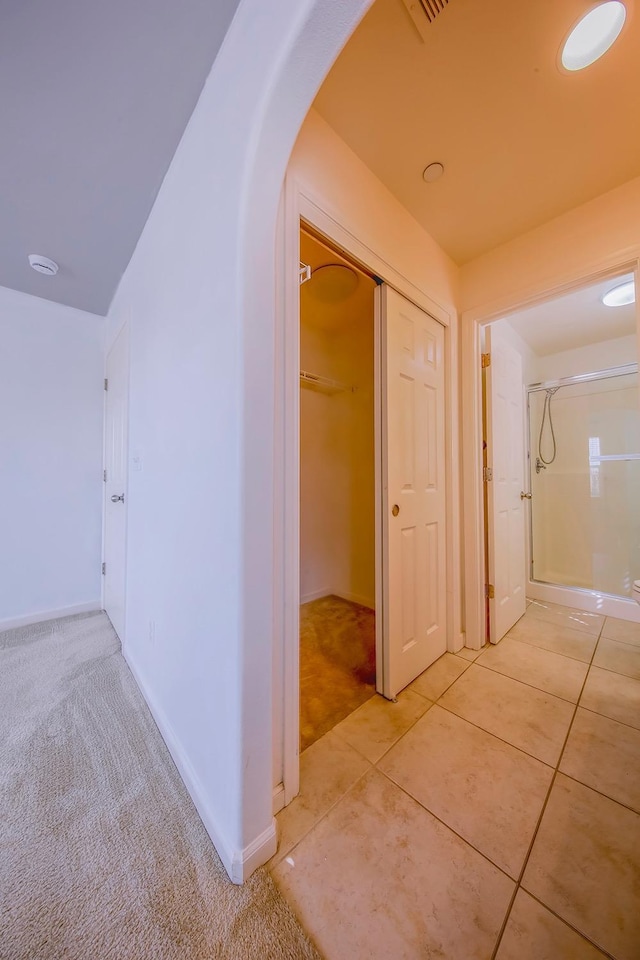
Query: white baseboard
point(457, 643)
point(355, 598)
point(278, 798)
point(239, 864)
point(315, 595)
point(44, 615)
point(588, 600)
point(258, 852)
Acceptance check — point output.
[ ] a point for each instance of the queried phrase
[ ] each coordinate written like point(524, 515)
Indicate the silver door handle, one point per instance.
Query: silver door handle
point(115, 498)
point(525, 496)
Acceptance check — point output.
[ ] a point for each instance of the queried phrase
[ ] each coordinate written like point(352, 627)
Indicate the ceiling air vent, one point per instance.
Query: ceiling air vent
point(424, 12)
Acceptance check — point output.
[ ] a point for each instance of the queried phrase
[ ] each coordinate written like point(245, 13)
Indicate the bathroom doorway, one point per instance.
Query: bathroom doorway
point(571, 533)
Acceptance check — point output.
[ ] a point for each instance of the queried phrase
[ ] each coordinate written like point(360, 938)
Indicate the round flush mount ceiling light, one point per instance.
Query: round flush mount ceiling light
point(433, 172)
point(43, 264)
point(621, 295)
point(593, 35)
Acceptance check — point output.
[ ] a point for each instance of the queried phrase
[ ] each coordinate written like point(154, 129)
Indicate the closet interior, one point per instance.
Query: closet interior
point(337, 489)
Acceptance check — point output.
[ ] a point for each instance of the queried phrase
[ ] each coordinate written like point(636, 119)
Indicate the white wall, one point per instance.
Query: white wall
point(587, 359)
point(51, 397)
point(199, 295)
point(512, 337)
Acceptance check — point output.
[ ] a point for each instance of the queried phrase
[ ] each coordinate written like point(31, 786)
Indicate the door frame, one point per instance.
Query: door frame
point(471, 397)
point(298, 207)
point(123, 330)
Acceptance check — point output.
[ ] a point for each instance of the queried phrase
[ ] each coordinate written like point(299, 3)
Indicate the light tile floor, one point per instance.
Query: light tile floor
point(492, 812)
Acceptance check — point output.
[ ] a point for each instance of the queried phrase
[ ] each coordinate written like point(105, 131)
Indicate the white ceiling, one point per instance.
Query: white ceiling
point(575, 320)
point(521, 141)
point(94, 98)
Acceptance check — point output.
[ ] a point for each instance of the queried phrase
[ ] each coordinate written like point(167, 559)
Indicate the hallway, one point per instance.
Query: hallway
point(493, 811)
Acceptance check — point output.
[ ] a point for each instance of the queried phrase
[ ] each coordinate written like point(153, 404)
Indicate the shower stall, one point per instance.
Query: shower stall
point(584, 461)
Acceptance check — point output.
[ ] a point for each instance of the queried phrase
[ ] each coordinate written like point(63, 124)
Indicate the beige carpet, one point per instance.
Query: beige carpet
point(103, 856)
point(337, 663)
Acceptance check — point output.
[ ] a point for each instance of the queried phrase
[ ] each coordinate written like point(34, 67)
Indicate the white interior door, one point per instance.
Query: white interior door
point(413, 489)
point(115, 486)
point(505, 508)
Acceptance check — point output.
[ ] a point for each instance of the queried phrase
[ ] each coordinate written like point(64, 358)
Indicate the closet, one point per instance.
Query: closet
point(337, 490)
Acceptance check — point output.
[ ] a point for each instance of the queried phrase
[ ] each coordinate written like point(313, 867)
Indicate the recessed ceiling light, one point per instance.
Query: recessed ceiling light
point(593, 35)
point(43, 264)
point(433, 172)
point(621, 295)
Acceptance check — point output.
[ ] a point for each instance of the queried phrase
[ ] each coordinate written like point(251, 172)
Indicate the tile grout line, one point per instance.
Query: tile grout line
point(605, 796)
point(374, 763)
point(490, 733)
point(601, 949)
point(605, 716)
point(447, 826)
point(322, 817)
point(542, 812)
point(536, 646)
point(533, 686)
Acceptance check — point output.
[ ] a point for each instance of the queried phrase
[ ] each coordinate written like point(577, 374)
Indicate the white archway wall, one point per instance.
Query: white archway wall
point(199, 295)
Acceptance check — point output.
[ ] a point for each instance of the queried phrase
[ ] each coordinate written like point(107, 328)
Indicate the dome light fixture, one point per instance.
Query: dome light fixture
point(621, 295)
point(593, 34)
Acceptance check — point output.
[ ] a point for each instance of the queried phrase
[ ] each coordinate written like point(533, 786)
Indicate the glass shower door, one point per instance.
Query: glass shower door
point(585, 482)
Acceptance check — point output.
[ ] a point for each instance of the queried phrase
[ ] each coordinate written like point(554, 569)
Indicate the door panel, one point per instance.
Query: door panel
point(116, 461)
point(505, 510)
point(413, 480)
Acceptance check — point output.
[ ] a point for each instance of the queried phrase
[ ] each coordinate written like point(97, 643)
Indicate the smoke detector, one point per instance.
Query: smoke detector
point(43, 264)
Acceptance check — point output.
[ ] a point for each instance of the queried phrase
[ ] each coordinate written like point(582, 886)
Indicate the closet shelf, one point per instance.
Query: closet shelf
point(323, 384)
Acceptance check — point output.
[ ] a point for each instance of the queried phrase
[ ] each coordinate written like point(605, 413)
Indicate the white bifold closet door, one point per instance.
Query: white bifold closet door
point(413, 499)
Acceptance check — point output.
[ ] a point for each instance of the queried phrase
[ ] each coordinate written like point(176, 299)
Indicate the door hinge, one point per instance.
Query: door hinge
point(106, 384)
point(104, 569)
point(486, 360)
point(104, 476)
point(487, 474)
point(489, 591)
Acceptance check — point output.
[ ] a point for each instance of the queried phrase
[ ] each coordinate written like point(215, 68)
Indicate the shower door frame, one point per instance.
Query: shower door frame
point(475, 574)
point(621, 370)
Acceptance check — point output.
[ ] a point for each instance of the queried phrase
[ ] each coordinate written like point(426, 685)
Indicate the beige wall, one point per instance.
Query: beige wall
point(337, 515)
point(607, 228)
point(330, 172)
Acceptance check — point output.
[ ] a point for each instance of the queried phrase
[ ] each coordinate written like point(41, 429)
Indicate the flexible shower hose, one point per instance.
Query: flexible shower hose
point(546, 412)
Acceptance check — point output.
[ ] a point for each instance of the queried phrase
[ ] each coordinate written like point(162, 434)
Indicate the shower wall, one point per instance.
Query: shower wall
point(586, 504)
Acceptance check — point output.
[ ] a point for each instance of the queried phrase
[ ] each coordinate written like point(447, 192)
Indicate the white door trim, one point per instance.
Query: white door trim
point(298, 204)
point(471, 382)
point(123, 331)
